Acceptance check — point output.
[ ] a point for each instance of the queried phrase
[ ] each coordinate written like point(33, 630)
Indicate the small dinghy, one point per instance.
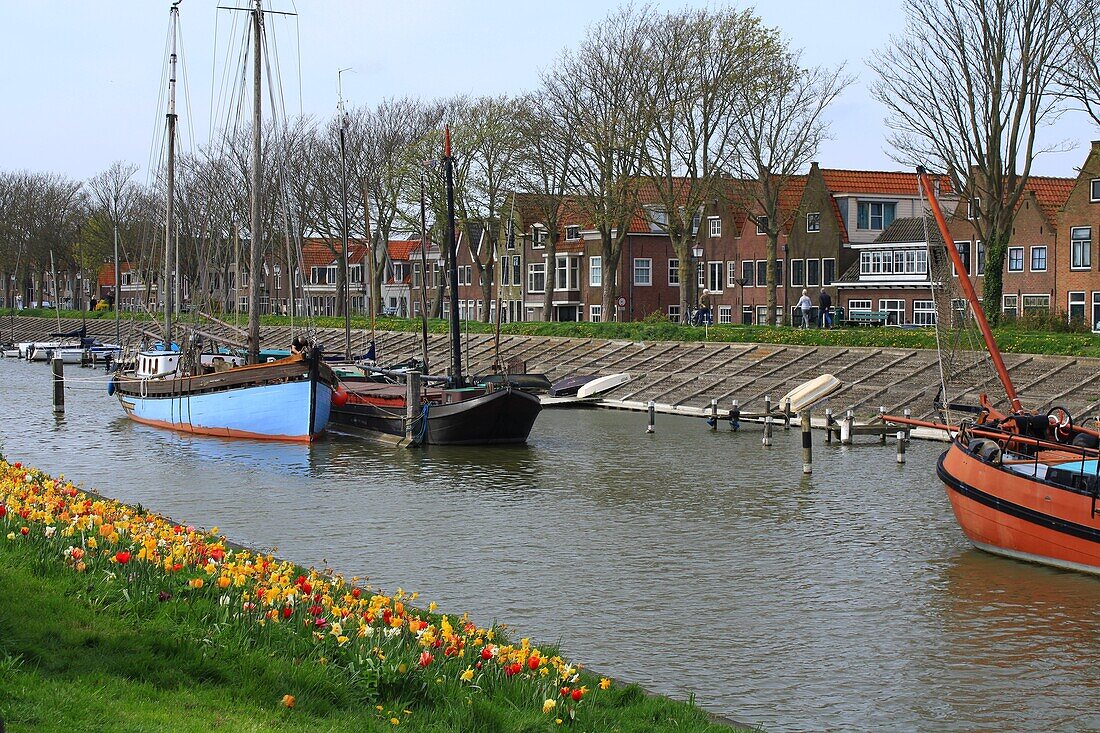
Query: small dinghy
point(568, 387)
point(603, 384)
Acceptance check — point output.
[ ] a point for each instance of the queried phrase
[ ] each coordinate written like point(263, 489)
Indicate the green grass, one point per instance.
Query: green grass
point(76, 656)
point(1025, 338)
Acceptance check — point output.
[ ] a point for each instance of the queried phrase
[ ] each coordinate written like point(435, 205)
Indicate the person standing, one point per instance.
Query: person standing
point(806, 305)
point(825, 304)
point(703, 315)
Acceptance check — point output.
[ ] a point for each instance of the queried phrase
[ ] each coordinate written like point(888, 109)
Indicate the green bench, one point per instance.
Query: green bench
point(868, 318)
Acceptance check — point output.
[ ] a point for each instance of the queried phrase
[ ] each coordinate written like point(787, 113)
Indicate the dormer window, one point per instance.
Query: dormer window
point(658, 220)
point(572, 233)
point(813, 222)
point(761, 225)
point(538, 237)
point(973, 208)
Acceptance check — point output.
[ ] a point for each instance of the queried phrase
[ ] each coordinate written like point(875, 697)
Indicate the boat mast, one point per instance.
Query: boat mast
point(118, 326)
point(969, 292)
point(344, 204)
point(423, 277)
point(452, 250)
point(254, 260)
point(170, 214)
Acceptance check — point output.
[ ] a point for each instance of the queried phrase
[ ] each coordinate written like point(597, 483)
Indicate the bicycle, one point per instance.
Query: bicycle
point(700, 317)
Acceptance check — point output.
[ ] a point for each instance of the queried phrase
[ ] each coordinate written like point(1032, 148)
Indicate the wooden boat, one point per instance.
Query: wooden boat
point(603, 384)
point(568, 387)
point(528, 382)
point(811, 392)
point(1020, 484)
point(461, 416)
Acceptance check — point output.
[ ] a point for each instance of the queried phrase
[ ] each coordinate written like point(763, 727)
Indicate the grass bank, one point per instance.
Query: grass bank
point(114, 619)
point(1026, 337)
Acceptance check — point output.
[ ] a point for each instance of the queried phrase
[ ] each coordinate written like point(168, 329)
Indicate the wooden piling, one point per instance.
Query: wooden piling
point(882, 420)
point(767, 440)
point(828, 425)
point(735, 416)
point(652, 409)
point(413, 421)
point(713, 422)
point(58, 368)
point(908, 428)
point(767, 405)
point(807, 444)
point(901, 446)
point(846, 428)
point(787, 414)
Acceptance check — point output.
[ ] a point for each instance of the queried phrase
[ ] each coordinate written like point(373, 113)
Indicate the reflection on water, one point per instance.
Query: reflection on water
point(686, 560)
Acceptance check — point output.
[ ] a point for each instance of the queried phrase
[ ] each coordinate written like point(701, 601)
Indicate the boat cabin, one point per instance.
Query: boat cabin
point(153, 364)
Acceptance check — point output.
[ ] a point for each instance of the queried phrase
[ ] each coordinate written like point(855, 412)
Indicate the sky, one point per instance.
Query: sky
point(82, 80)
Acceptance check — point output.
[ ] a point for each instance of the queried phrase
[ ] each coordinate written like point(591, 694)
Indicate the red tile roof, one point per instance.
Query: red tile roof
point(401, 249)
point(106, 275)
point(889, 183)
point(1050, 193)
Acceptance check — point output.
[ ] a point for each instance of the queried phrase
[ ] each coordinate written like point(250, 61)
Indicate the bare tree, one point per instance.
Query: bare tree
point(782, 114)
point(599, 85)
point(703, 62)
point(549, 144)
point(968, 86)
point(1080, 78)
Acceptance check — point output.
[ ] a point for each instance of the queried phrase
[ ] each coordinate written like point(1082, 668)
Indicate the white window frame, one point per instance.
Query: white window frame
point(700, 274)
point(538, 237)
point(715, 226)
point(1081, 302)
point(1094, 191)
point(973, 208)
point(725, 314)
point(572, 233)
point(674, 271)
point(890, 305)
point(1082, 246)
point(1010, 304)
point(674, 313)
point(859, 305)
point(762, 225)
point(817, 279)
point(731, 273)
point(924, 313)
point(748, 273)
point(535, 269)
point(716, 275)
point(832, 278)
point(643, 265)
point(813, 222)
point(595, 313)
point(1025, 309)
point(1041, 248)
point(1008, 260)
point(799, 267)
point(595, 271)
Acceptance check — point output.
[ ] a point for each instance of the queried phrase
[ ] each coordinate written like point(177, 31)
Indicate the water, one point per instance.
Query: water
point(685, 561)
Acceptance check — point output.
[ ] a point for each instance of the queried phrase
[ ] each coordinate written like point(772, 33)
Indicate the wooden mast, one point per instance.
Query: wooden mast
point(452, 249)
point(424, 239)
point(969, 292)
point(254, 260)
point(169, 242)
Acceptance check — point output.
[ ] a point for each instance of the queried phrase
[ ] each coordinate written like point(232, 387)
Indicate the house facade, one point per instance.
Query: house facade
point(1078, 272)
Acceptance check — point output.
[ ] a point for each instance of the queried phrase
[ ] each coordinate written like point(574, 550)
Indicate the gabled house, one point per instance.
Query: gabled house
point(1077, 269)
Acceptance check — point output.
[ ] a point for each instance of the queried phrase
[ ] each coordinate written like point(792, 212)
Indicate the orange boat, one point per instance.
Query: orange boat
point(1021, 485)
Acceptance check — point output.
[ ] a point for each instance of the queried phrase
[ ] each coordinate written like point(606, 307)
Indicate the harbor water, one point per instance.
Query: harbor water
point(688, 561)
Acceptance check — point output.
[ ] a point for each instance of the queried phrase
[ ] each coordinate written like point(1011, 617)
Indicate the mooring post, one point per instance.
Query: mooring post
point(787, 414)
point(58, 368)
point(828, 425)
point(807, 443)
point(735, 417)
point(901, 446)
point(713, 421)
point(908, 428)
point(652, 408)
point(846, 428)
point(767, 405)
point(412, 406)
point(882, 419)
point(767, 441)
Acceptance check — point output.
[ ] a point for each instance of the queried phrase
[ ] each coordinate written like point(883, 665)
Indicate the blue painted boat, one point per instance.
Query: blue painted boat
point(288, 399)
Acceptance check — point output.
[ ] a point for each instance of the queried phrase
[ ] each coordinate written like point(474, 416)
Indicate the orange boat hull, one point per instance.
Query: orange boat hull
point(1008, 513)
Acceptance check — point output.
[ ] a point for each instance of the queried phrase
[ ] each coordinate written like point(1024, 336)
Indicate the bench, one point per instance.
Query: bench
point(868, 318)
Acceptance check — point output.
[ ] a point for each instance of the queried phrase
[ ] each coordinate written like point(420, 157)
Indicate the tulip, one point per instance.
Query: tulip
point(425, 658)
point(549, 704)
point(288, 701)
point(577, 695)
point(533, 663)
point(23, 531)
point(487, 653)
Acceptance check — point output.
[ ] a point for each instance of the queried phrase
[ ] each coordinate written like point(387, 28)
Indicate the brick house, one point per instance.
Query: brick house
point(1078, 277)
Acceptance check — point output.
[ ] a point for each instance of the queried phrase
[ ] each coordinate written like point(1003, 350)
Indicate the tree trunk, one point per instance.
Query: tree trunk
point(688, 281)
point(486, 276)
point(610, 264)
point(996, 246)
point(548, 294)
point(771, 280)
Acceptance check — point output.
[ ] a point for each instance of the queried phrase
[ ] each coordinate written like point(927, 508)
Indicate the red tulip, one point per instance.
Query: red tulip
point(577, 695)
point(307, 588)
point(425, 658)
point(217, 554)
point(287, 611)
point(3, 509)
point(477, 665)
point(564, 692)
point(355, 592)
point(533, 663)
point(122, 557)
point(23, 531)
point(487, 653)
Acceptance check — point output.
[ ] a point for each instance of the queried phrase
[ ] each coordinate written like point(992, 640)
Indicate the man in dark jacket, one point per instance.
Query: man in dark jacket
point(825, 304)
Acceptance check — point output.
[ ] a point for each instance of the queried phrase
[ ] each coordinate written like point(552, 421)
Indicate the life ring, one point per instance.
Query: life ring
point(1061, 422)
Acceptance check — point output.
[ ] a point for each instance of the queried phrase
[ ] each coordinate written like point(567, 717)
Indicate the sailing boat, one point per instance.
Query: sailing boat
point(1022, 485)
point(285, 399)
point(449, 412)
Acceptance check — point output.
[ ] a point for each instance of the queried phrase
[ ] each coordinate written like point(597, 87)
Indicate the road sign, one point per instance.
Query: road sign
point(622, 302)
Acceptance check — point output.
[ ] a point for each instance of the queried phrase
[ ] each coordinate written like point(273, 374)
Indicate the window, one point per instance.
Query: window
point(964, 252)
point(538, 237)
point(1010, 305)
point(715, 226)
point(973, 208)
point(725, 314)
point(746, 315)
point(1077, 307)
point(695, 222)
point(1094, 190)
point(505, 274)
point(643, 271)
point(859, 305)
point(748, 269)
point(332, 273)
point(761, 315)
point(674, 272)
point(813, 273)
point(813, 222)
point(1095, 320)
point(924, 312)
point(761, 273)
point(536, 277)
point(1016, 259)
point(895, 308)
point(469, 274)
point(658, 220)
point(700, 275)
point(761, 225)
point(1038, 259)
point(572, 233)
point(595, 313)
point(674, 313)
point(875, 215)
point(980, 254)
point(797, 273)
point(567, 273)
point(595, 271)
point(731, 273)
point(1036, 304)
point(828, 270)
point(716, 276)
point(1080, 248)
